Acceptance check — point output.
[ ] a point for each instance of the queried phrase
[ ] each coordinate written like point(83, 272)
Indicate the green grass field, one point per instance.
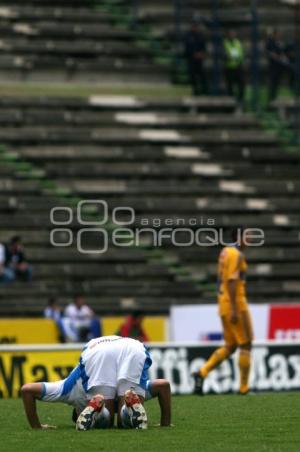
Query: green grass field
point(269, 422)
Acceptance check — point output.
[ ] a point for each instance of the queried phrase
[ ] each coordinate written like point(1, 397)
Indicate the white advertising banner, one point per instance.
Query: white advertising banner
point(192, 323)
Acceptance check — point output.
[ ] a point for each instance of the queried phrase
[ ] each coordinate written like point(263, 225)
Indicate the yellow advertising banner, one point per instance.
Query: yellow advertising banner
point(28, 331)
point(44, 331)
point(19, 367)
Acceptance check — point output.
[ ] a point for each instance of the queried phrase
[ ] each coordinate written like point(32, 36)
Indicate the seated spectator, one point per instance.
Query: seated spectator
point(16, 261)
point(6, 274)
point(53, 311)
point(132, 327)
point(80, 323)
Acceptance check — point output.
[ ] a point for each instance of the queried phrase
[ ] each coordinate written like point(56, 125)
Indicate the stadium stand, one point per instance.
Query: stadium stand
point(165, 158)
point(186, 158)
point(164, 26)
point(115, 282)
point(111, 40)
point(229, 13)
point(70, 40)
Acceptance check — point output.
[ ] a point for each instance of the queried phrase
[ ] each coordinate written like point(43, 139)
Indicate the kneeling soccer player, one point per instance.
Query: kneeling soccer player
point(235, 316)
point(109, 367)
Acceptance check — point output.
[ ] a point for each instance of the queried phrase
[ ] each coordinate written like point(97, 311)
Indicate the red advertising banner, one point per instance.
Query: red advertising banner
point(284, 322)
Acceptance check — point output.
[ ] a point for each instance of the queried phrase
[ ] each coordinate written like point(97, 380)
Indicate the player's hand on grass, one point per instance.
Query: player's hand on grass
point(48, 427)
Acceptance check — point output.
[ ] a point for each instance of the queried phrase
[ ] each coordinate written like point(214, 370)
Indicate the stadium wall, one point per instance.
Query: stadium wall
point(276, 366)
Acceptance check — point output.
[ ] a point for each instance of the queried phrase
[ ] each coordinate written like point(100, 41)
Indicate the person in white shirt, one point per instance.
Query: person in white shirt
point(110, 367)
point(79, 311)
point(79, 321)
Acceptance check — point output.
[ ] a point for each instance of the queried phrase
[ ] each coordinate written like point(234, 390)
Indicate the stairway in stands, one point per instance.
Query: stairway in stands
point(168, 160)
point(68, 40)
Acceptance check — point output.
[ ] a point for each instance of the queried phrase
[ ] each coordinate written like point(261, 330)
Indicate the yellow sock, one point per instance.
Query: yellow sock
point(244, 365)
point(216, 358)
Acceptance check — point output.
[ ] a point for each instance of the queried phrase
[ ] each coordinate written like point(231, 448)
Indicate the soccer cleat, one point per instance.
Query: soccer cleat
point(244, 391)
point(136, 413)
point(198, 380)
point(87, 418)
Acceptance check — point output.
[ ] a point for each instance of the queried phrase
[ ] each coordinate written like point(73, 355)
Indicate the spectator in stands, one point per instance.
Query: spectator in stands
point(53, 311)
point(6, 274)
point(80, 323)
point(234, 66)
point(195, 52)
point(132, 327)
point(15, 259)
point(277, 61)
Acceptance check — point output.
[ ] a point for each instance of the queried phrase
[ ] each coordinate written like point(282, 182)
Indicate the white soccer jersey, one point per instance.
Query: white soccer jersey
point(109, 359)
point(104, 361)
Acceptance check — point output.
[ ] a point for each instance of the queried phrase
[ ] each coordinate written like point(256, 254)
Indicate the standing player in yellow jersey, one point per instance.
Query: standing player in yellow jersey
point(234, 313)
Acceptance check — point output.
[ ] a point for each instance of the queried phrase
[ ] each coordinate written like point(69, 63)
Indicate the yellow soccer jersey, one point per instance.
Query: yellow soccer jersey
point(231, 266)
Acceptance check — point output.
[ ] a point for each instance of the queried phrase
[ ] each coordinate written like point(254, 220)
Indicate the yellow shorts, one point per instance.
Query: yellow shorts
point(239, 333)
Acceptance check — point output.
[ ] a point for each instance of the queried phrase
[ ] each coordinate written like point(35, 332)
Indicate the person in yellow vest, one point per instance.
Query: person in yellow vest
point(234, 313)
point(234, 66)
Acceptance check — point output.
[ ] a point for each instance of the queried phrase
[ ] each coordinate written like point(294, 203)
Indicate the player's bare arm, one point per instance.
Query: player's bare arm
point(161, 388)
point(232, 283)
point(30, 393)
